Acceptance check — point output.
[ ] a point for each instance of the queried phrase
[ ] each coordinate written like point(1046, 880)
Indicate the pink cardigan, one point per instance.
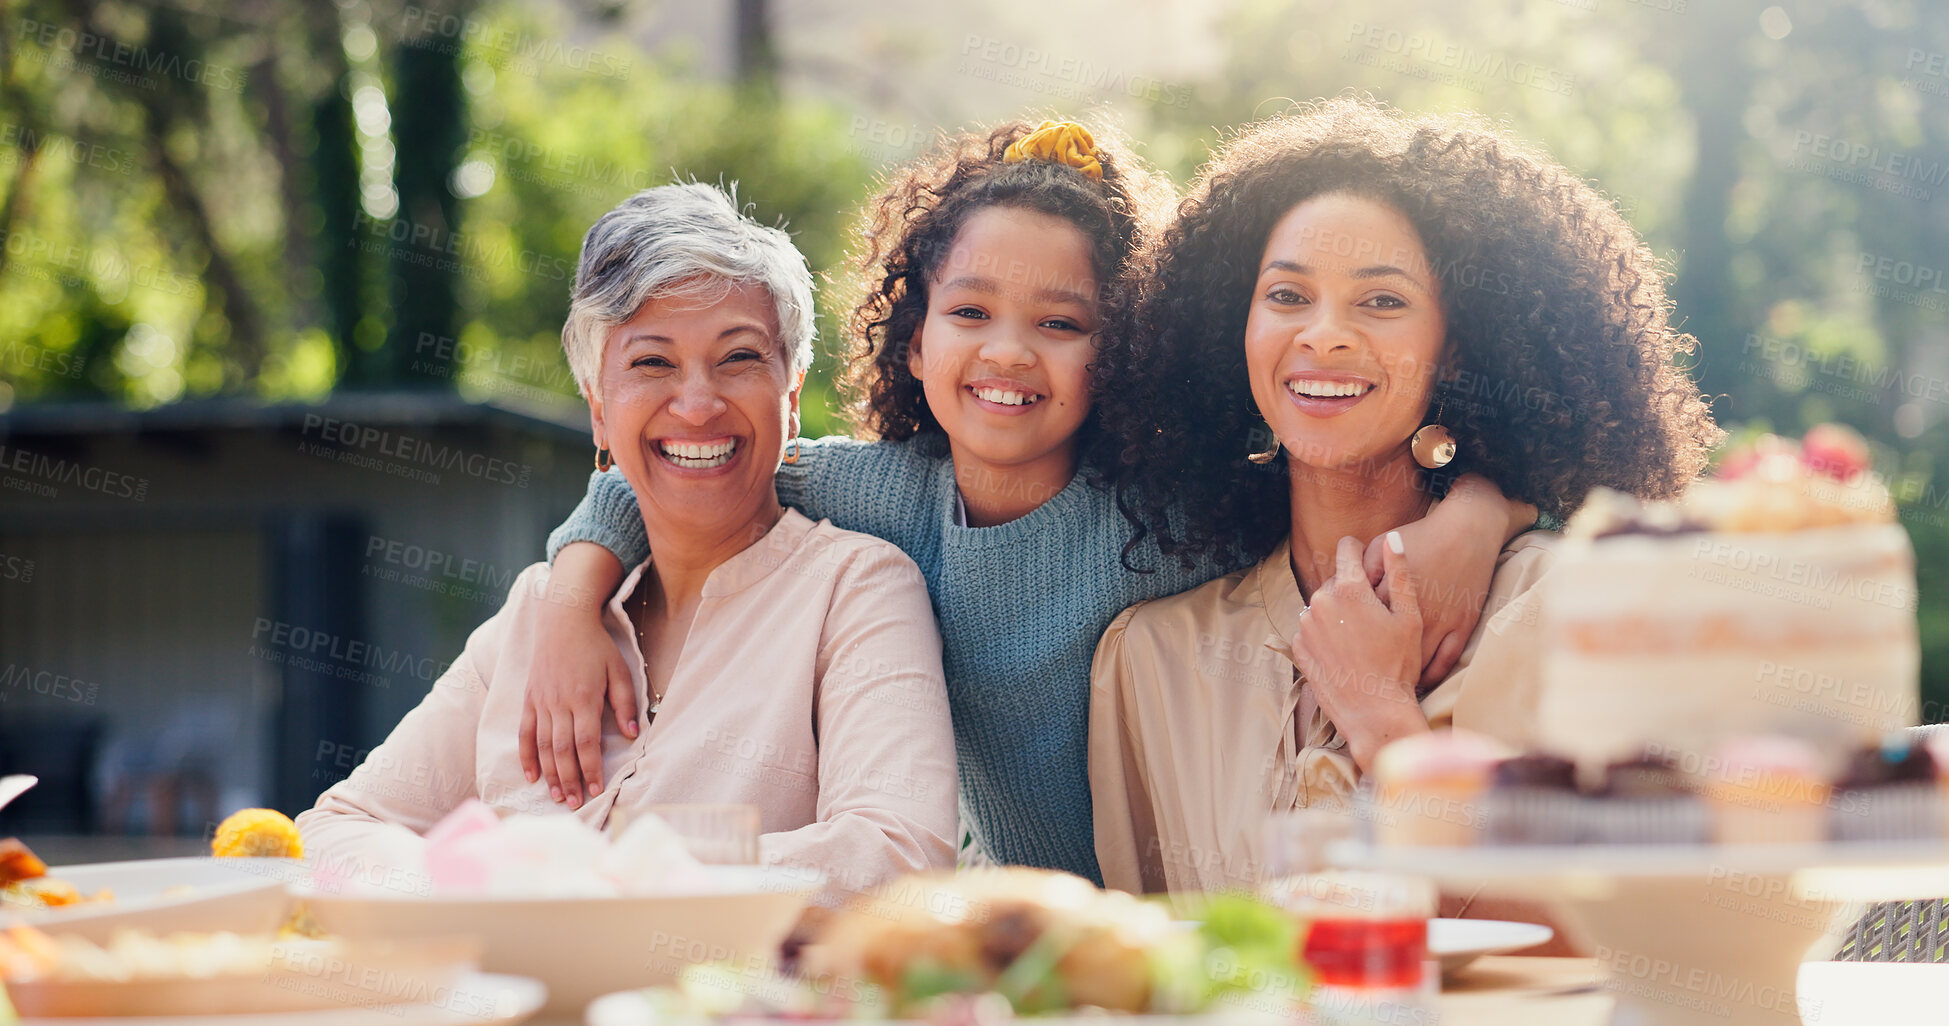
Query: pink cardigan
point(810, 686)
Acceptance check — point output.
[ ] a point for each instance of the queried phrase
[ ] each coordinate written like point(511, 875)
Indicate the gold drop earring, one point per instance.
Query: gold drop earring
point(1263, 458)
point(1432, 444)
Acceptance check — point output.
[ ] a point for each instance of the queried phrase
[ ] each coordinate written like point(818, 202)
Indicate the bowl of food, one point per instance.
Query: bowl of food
point(551, 898)
point(244, 895)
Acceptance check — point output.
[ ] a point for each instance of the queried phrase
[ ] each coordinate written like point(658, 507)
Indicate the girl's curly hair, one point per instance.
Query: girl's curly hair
point(1558, 372)
point(910, 228)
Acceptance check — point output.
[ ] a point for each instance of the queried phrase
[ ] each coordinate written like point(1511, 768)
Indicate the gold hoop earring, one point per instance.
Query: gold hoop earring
point(1432, 444)
point(794, 457)
point(603, 462)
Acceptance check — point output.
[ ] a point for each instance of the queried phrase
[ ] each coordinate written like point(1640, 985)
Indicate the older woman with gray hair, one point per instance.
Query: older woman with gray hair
point(782, 663)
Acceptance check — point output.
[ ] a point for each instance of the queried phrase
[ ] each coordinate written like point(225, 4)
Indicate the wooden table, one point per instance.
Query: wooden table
point(1520, 991)
point(1515, 990)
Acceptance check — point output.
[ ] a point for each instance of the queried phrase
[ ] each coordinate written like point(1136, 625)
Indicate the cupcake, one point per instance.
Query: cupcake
point(1533, 800)
point(1888, 794)
point(1645, 801)
point(1429, 788)
point(1769, 790)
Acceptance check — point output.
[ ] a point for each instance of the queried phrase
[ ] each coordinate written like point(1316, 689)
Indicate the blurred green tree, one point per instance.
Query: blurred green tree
point(278, 202)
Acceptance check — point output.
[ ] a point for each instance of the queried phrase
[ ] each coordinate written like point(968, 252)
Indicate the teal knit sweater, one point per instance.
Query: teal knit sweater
point(1021, 606)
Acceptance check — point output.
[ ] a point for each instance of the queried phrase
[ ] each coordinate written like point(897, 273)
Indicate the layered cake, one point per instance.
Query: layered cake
point(1777, 597)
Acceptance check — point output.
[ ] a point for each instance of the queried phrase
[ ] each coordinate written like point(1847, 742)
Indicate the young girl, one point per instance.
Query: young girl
point(1357, 281)
point(994, 264)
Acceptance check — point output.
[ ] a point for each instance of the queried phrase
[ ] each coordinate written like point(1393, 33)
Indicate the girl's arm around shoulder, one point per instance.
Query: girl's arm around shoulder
point(573, 677)
point(881, 488)
point(607, 516)
point(819, 473)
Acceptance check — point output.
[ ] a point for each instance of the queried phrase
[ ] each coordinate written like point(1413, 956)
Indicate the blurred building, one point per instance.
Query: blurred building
point(216, 604)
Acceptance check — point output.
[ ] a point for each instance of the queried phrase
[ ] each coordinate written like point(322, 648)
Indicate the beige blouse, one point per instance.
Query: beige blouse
point(1194, 704)
point(810, 686)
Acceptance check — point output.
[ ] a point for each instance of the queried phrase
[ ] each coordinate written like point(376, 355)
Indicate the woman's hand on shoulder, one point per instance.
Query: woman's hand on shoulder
point(1362, 655)
point(574, 672)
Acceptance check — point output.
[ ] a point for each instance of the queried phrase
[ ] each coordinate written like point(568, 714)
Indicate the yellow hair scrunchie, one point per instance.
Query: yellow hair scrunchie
point(1059, 142)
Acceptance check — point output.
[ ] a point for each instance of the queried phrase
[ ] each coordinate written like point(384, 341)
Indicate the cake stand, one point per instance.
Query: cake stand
point(1687, 935)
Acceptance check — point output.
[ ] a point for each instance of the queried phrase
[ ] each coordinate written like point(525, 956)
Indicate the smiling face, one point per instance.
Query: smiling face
point(697, 400)
point(1345, 332)
point(1003, 355)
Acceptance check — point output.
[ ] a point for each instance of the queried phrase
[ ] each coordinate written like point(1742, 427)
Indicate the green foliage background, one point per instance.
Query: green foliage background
point(170, 234)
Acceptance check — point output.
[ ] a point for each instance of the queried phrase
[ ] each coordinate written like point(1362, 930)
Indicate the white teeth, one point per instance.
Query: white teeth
point(1326, 389)
point(996, 395)
point(698, 454)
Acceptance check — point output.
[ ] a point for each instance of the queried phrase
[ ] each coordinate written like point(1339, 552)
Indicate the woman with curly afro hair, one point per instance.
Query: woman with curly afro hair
point(992, 264)
point(1353, 306)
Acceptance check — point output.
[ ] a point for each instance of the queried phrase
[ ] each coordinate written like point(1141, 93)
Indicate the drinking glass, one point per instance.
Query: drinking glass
point(1366, 933)
point(1367, 930)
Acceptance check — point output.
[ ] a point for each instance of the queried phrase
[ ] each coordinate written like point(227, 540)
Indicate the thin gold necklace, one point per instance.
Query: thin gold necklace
point(643, 646)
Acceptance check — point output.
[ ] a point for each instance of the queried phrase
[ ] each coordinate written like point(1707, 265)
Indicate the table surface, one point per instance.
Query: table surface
point(1518, 990)
point(1524, 991)
point(1502, 990)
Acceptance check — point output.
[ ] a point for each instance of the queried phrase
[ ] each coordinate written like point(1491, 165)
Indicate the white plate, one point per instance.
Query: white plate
point(581, 948)
point(479, 999)
point(1457, 942)
point(242, 895)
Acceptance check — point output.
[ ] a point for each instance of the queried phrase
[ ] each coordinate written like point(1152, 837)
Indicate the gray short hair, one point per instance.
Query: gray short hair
point(685, 240)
